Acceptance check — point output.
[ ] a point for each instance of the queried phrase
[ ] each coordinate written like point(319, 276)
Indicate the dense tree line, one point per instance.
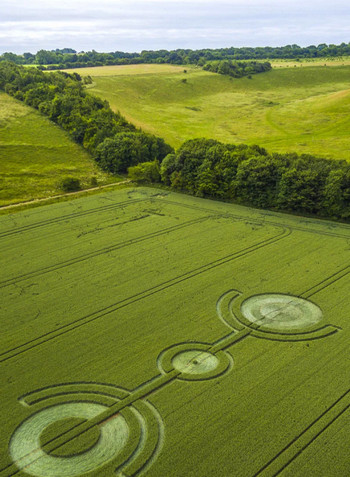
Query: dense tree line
point(204, 167)
point(237, 69)
point(251, 176)
point(89, 120)
point(69, 58)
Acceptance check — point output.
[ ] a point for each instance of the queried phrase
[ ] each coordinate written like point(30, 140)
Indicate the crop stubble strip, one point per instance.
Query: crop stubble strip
point(137, 297)
point(54, 390)
point(101, 251)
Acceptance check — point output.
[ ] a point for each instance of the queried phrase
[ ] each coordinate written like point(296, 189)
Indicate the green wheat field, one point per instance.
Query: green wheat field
point(148, 333)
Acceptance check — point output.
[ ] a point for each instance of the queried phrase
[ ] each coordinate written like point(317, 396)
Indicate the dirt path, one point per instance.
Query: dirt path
point(34, 201)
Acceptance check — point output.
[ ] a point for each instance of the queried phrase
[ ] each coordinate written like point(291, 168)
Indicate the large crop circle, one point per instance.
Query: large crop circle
point(127, 439)
point(278, 312)
point(26, 450)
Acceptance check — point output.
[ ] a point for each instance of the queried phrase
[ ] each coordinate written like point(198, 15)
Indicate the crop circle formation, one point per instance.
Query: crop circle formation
point(195, 362)
point(278, 312)
point(26, 450)
point(123, 438)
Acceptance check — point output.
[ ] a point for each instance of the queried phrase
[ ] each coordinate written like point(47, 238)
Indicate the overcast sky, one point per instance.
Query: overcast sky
point(134, 25)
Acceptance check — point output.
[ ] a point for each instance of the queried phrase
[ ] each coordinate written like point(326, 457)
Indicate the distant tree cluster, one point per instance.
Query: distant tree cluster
point(89, 120)
point(237, 69)
point(69, 58)
point(251, 176)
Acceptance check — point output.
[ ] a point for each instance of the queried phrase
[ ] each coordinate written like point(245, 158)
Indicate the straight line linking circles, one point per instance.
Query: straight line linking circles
point(83, 427)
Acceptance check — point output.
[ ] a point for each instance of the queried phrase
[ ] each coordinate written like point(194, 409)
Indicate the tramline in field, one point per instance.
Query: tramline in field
point(189, 361)
point(210, 341)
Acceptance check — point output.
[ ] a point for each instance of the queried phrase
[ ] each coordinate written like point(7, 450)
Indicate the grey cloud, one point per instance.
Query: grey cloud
point(135, 25)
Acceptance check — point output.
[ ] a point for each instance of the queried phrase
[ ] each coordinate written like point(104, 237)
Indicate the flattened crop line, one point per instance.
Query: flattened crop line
point(326, 282)
point(101, 251)
point(207, 209)
point(229, 340)
point(263, 221)
point(315, 437)
point(141, 392)
point(292, 450)
point(315, 232)
point(73, 215)
point(137, 297)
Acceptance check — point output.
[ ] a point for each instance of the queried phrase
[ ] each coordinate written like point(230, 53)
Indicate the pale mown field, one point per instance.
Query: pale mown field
point(132, 342)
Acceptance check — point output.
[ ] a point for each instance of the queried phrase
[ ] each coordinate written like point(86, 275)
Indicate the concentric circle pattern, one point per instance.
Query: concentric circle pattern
point(278, 312)
point(26, 450)
point(194, 361)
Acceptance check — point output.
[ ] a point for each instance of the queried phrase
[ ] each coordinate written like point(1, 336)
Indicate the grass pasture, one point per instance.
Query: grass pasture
point(301, 109)
point(131, 342)
point(36, 155)
point(127, 70)
point(327, 61)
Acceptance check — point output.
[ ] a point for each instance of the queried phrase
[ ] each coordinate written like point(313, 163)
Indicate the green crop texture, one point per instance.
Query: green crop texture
point(35, 155)
point(303, 109)
point(148, 333)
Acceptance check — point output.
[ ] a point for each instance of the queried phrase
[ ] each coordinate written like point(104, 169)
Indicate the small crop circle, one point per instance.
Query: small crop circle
point(195, 362)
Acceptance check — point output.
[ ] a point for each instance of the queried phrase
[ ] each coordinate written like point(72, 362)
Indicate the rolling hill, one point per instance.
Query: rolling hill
point(302, 109)
point(36, 155)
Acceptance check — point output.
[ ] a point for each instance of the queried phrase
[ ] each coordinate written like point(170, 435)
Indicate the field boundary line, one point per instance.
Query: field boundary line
point(137, 297)
point(101, 251)
point(263, 221)
point(296, 446)
point(67, 194)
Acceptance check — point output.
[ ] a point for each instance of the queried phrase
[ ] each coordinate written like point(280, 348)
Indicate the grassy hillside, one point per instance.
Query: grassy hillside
point(35, 155)
point(131, 347)
point(326, 61)
point(301, 109)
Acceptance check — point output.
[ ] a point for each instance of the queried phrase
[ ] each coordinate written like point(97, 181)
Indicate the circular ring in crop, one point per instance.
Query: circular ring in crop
point(194, 361)
point(281, 313)
point(127, 439)
point(26, 450)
